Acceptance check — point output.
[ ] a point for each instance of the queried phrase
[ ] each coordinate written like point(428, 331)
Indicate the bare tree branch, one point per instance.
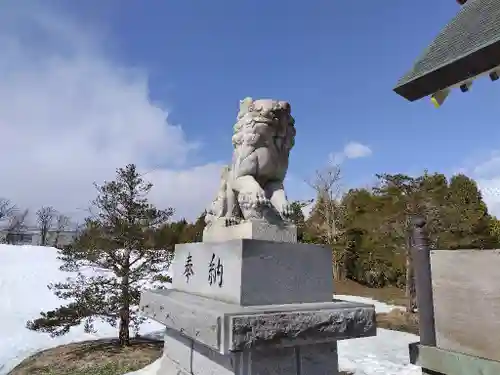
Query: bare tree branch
point(330, 212)
point(16, 226)
point(45, 217)
point(7, 209)
point(62, 223)
point(326, 184)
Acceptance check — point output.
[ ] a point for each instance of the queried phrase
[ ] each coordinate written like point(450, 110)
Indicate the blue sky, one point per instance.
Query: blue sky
point(335, 61)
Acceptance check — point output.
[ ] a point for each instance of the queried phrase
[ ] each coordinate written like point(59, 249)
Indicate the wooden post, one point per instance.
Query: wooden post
point(423, 281)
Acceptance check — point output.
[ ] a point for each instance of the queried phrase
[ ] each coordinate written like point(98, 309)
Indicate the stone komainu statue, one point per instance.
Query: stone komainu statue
point(252, 187)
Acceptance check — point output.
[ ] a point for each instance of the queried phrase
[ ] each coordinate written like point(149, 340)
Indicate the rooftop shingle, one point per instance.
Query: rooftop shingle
point(467, 46)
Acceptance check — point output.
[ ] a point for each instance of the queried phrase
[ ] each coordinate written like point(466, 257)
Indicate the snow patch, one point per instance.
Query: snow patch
point(151, 369)
point(25, 272)
point(380, 307)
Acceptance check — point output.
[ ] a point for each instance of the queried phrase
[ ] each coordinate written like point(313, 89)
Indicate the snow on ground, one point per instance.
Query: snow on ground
point(152, 369)
point(386, 353)
point(25, 272)
point(380, 307)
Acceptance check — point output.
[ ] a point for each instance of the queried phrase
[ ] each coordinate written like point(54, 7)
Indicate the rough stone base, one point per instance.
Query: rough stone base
point(185, 356)
point(228, 328)
point(252, 230)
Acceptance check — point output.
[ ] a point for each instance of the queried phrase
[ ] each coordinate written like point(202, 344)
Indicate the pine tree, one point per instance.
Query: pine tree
point(297, 217)
point(118, 240)
point(467, 216)
point(199, 226)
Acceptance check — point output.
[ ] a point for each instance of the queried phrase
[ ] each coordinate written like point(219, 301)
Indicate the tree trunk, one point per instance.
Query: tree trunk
point(123, 330)
point(124, 334)
point(338, 274)
point(43, 237)
point(339, 271)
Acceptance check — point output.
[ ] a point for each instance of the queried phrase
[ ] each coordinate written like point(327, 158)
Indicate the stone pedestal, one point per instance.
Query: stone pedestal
point(255, 230)
point(254, 307)
point(254, 272)
point(193, 358)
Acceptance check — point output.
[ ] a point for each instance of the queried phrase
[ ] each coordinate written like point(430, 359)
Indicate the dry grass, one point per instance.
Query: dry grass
point(100, 357)
point(396, 320)
point(390, 294)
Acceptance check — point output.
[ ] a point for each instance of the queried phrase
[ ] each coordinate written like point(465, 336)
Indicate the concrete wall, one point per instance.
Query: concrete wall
point(466, 288)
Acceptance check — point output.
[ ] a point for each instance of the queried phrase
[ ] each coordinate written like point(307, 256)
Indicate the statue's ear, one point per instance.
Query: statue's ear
point(285, 106)
point(245, 105)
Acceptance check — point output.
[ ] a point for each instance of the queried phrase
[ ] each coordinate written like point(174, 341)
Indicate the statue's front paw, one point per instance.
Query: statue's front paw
point(231, 220)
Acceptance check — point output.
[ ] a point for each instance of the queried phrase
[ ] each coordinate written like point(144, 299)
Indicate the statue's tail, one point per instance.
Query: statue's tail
point(225, 176)
point(218, 207)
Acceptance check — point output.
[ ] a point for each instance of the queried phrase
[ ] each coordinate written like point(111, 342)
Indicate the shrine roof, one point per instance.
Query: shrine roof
point(467, 46)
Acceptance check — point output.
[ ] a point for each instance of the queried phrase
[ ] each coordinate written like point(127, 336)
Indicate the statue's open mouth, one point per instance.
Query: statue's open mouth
point(266, 120)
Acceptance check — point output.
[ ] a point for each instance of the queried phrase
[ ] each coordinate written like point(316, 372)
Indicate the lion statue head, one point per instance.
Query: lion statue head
point(264, 123)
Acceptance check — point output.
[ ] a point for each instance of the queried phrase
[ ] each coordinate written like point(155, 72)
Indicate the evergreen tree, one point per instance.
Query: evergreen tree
point(198, 227)
point(369, 258)
point(168, 235)
point(406, 199)
point(119, 240)
point(373, 224)
point(467, 220)
point(297, 217)
point(495, 231)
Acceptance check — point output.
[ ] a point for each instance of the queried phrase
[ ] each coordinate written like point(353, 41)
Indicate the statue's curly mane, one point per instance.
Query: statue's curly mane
point(254, 121)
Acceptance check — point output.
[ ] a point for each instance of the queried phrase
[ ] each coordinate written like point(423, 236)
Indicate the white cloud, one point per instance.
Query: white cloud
point(490, 189)
point(490, 167)
point(355, 150)
point(486, 172)
point(70, 116)
point(352, 150)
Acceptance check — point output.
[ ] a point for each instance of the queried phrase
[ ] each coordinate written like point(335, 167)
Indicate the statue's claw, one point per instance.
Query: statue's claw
point(286, 211)
point(261, 200)
point(231, 220)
